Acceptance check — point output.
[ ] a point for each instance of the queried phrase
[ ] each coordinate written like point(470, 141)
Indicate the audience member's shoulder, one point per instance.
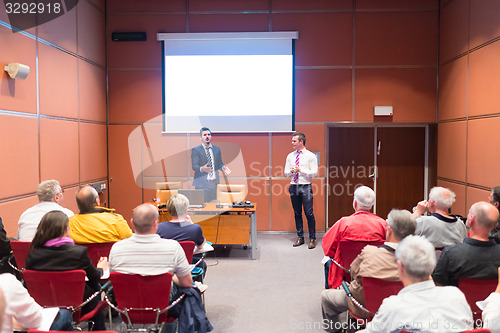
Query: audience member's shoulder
point(369, 249)
point(7, 278)
point(451, 291)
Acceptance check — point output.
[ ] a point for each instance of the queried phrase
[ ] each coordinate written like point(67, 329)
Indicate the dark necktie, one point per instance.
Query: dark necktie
point(210, 163)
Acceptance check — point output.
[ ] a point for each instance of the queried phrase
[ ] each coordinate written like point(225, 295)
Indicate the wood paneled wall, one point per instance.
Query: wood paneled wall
point(53, 124)
point(469, 103)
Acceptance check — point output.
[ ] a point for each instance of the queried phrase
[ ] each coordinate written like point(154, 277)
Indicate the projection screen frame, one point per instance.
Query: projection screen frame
point(281, 35)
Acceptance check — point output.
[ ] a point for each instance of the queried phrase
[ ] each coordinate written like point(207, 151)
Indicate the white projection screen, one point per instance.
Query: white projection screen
point(229, 82)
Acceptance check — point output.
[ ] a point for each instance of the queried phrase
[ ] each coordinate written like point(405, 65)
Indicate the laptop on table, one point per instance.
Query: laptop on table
point(196, 197)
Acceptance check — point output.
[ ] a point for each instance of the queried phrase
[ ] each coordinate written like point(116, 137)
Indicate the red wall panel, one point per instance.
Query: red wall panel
point(453, 29)
point(453, 90)
point(325, 39)
point(484, 71)
point(58, 88)
point(19, 148)
point(413, 42)
point(452, 140)
point(411, 92)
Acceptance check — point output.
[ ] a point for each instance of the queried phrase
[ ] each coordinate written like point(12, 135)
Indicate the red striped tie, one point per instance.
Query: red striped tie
point(296, 176)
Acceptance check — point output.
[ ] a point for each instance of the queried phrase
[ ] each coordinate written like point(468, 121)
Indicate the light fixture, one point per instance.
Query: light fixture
point(17, 70)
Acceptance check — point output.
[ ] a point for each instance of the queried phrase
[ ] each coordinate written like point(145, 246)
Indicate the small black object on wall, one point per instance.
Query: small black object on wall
point(128, 36)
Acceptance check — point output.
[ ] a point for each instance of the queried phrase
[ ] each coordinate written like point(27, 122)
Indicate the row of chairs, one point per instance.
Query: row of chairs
point(21, 249)
point(140, 299)
point(95, 252)
point(375, 290)
point(143, 299)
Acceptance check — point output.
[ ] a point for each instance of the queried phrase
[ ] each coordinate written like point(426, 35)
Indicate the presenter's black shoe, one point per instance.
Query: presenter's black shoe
point(298, 242)
point(312, 244)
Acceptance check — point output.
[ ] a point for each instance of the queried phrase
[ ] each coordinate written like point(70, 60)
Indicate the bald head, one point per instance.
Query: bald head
point(484, 214)
point(86, 199)
point(144, 218)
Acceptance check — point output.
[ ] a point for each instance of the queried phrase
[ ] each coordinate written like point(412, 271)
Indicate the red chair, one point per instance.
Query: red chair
point(349, 250)
point(142, 299)
point(376, 290)
point(38, 331)
point(63, 289)
point(20, 250)
point(476, 290)
point(98, 250)
point(188, 247)
point(476, 330)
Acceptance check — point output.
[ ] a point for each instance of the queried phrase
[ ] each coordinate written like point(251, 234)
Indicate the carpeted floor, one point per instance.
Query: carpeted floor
point(278, 292)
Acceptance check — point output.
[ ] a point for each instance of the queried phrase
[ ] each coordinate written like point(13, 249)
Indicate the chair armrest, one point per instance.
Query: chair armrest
point(339, 265)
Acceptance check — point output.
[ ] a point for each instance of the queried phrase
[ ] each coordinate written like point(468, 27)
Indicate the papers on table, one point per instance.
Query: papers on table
point(207, 247)
point(48, 316)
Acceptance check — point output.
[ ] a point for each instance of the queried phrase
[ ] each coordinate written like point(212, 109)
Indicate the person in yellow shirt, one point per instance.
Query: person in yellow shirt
point(96, 224)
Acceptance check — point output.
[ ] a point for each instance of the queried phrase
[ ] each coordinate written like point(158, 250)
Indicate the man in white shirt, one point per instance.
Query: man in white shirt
point(302, 165)
point(421, 306)
point(50, 195)
point(146, 253)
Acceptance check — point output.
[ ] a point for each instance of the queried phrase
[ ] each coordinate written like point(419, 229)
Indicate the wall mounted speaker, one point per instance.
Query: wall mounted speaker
point(128, 36)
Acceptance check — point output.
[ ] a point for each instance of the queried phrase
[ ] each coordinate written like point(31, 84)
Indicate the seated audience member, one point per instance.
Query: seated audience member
point(53, 250)
point(440, 228)
point(180, 227)
point(478, 257)
point(2, 309)
point(421, 306)
point(373, 261)
point(146, 253)
point(50, 195)
point(4, 249)
point(360, 226)
point(96, 224)
point(494, 198)
point(491, 310)
point(19, 305)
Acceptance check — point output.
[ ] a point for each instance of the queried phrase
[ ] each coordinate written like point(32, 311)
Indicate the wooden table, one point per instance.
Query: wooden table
point(224, 226)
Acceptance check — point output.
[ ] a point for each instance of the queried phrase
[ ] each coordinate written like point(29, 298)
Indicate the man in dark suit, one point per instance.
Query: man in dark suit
point(206, 160)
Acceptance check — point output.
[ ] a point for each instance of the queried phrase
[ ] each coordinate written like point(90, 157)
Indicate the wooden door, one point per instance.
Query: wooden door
point(351, 162)
point(401, 166)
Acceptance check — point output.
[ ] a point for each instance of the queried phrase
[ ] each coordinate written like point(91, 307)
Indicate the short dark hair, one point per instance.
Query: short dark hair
point(301, 137)
point(203, 129)
point(495, 192)
point(52, 225)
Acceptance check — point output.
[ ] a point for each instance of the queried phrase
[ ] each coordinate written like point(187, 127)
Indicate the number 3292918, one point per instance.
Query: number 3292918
point(33, 8)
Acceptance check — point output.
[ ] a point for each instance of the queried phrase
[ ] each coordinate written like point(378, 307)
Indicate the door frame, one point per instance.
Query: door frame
point(375, 127)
